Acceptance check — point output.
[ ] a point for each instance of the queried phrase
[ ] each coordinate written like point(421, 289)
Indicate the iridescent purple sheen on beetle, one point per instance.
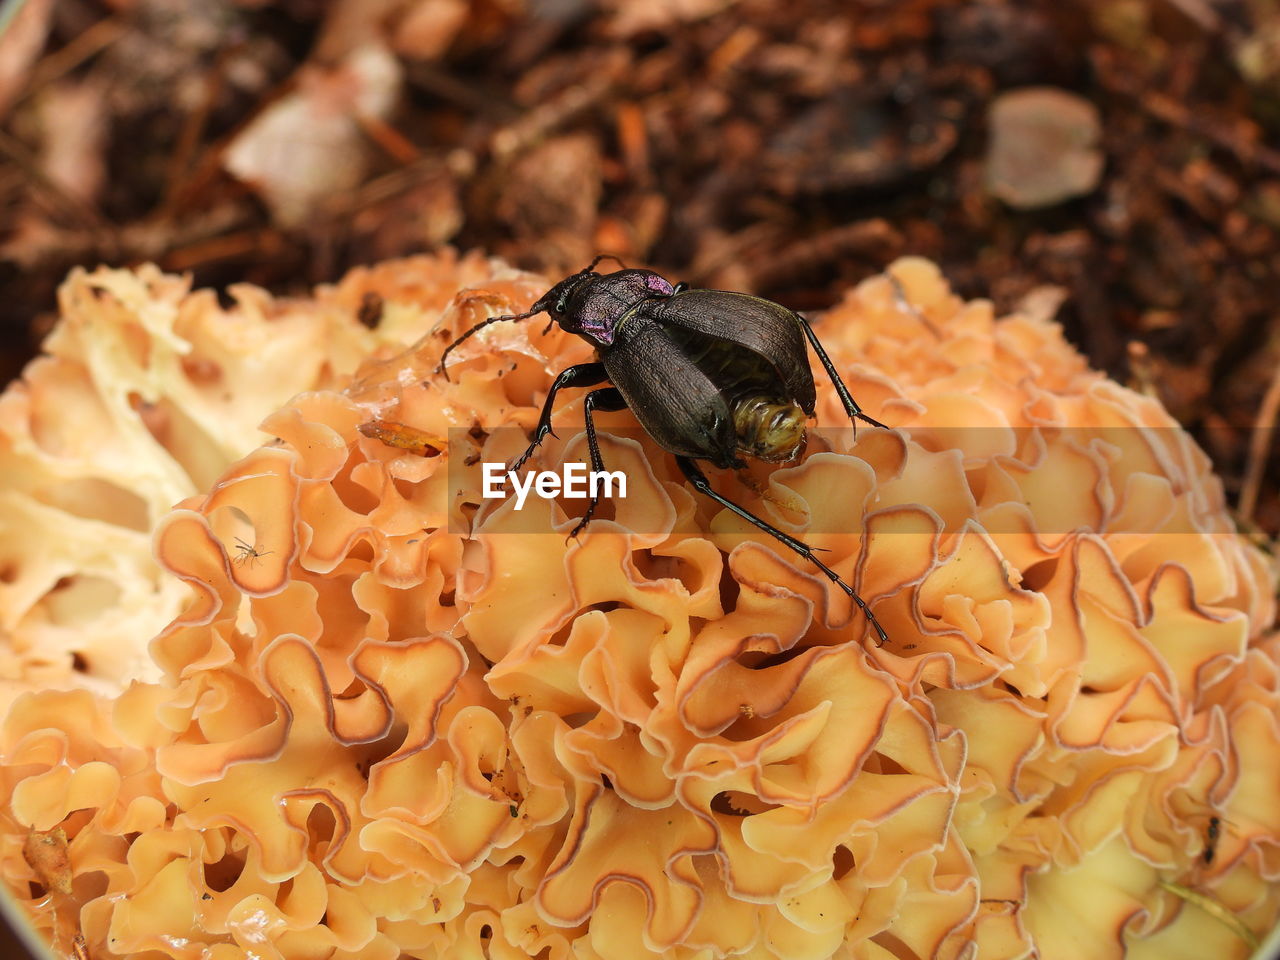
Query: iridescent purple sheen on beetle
point(596, 307)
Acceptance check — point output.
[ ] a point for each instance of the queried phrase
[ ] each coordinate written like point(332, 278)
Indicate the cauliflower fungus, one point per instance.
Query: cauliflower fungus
point(360, 711)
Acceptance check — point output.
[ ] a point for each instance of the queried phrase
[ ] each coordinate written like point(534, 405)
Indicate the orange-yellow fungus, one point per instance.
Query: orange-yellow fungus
point(383, 718)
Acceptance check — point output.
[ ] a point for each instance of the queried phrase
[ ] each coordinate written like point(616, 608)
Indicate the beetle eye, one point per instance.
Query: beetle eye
point(560, 305)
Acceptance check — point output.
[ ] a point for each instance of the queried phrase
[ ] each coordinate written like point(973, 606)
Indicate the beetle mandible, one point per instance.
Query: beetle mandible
point(710, 374)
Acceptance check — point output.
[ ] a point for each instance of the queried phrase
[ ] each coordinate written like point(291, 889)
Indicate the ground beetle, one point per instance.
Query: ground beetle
point(711, 375)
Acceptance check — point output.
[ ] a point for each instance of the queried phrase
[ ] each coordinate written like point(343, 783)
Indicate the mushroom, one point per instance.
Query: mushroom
point(396, 717)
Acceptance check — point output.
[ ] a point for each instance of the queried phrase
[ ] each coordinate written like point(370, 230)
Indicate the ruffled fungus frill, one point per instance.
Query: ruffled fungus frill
point(145, 394)
point(394, 719)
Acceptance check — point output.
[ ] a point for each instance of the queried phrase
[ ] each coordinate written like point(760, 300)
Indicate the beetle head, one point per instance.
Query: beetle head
point(593, 306)
point(558, 302)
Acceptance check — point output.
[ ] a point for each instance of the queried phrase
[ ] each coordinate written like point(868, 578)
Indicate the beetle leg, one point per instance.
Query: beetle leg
point(699, 480)
point(850, 405)
point(579, 375)
point(607, 399)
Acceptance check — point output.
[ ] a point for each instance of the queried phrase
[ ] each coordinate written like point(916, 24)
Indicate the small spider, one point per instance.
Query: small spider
point(247, 551)
point(1211, 834)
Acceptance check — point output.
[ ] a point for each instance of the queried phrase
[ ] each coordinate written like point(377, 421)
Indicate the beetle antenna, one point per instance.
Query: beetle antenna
point(538, 307)
point(604, 256)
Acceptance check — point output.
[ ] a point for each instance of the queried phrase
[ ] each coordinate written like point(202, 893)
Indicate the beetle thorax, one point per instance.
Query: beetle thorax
point(595, 306)
point(769, 429)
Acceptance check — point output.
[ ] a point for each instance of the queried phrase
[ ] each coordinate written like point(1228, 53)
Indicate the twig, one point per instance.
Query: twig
point(1177, 114)
point(81, 210)
point(480, 102)
point(207, 166)
point(62, 61)
point(867, 238)
point(399, 181)
point(1214, 908)
point(193, 129)
point(227, 246)
point(549, 116)
point(9, 12)
point(1264, 429)
point(390, 140)
point(1200, 12)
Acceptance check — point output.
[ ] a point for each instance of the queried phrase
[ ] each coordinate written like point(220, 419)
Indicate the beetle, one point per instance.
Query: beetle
point(710, 374)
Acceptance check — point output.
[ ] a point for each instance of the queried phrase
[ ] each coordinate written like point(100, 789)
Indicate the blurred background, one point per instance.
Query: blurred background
point(1126, 152)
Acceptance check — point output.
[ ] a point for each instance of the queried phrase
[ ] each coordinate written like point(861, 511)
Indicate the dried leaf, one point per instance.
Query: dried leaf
point(309, 146)
point(1043, 147)
point(46, 853)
